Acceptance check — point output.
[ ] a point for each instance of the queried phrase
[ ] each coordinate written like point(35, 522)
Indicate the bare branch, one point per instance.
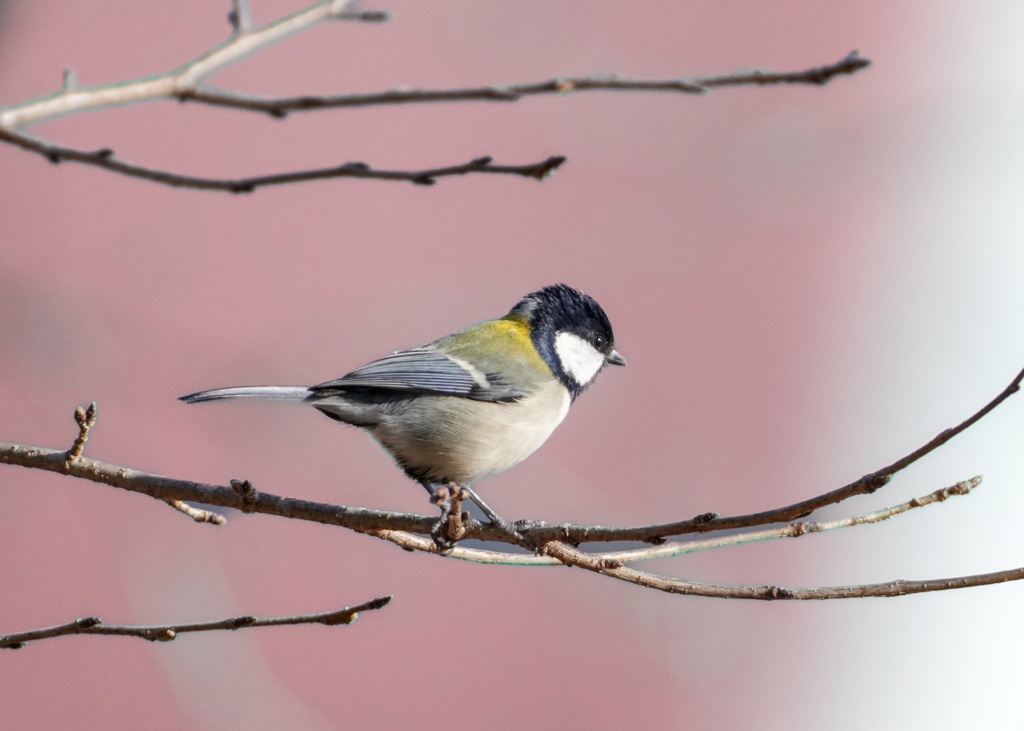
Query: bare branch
point(412, 542)
point(186, 84)
point(864, 486)
point(899, 587)
point(364, 520)
point(166, 633)
point(106, 159)
point(553, 541)
point(514, 92)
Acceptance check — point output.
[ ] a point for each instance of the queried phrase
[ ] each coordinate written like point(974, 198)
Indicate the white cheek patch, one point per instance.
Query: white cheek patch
point(579, 359)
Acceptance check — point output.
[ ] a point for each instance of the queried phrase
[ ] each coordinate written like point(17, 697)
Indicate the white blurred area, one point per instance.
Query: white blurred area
point(939, 326)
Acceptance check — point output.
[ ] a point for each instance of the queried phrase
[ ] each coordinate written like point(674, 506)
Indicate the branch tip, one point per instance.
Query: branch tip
point(197, 514)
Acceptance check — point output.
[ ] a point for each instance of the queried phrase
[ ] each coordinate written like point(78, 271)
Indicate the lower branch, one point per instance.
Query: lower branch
point(574, 557)
point(244, 497)
point(106, 159)
point(166, 633)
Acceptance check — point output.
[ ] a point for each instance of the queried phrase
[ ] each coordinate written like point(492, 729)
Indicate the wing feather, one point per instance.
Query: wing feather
point(424, 371)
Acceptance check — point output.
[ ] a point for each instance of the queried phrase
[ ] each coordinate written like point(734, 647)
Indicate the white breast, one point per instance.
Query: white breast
point(465, 440)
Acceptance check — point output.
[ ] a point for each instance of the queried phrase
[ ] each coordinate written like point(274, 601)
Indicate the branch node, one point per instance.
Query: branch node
point(362, 16)
point(69, 82)
point(574, 534)
point(771, 593)
point(875, 482)
point(247, 494)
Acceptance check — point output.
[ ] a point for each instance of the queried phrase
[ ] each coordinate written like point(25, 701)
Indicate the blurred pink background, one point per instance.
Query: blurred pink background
point(807, 282)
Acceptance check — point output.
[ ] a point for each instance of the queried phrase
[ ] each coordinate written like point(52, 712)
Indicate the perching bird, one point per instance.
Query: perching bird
point(474, 403)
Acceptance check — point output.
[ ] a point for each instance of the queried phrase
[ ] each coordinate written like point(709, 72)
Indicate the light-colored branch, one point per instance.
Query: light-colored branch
point(73, 99)
point(412, 542)
point(240, 16)
point(166, 633)
point(197, 514)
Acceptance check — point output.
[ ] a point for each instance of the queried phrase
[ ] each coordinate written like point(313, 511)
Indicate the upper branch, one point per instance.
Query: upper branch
point(187, 84)
point(514, 92)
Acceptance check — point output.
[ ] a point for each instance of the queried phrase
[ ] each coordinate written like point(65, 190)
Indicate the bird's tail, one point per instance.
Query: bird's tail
point(281, 393)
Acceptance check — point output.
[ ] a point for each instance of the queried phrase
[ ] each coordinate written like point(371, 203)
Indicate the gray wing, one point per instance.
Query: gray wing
point(425, 371)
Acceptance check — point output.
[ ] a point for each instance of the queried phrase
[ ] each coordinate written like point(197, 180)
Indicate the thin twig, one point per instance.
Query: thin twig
point(240, 16)
point(899, 587)
point(279, 107)
point(197, 514)
point(166, 633)
point(107, 160)
point(86, 419)
point(412, 542)
point(865, 485)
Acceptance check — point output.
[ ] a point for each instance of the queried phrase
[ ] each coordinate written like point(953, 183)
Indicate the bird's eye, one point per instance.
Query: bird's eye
point(600, 342)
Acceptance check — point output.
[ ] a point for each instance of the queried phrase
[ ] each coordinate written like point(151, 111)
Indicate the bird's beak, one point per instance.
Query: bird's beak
point(615, 358)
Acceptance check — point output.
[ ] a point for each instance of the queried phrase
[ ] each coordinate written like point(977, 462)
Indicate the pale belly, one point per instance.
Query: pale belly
point(442, 439)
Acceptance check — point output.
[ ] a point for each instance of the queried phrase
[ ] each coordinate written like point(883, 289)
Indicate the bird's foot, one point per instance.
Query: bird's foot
point(451, 525)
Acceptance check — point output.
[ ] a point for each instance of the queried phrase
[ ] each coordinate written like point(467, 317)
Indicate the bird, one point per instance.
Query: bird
point(472, 404)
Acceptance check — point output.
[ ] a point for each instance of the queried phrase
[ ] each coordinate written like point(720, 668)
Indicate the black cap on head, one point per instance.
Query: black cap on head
point(564, 309)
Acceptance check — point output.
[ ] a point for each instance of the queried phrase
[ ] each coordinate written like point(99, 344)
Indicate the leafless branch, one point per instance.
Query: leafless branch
point(187, 84)
point(241, 495)
point(864, 486)
point(106, 159)
point(279, 107)
point(166, 633)
point(574, 557)
point(412, 542)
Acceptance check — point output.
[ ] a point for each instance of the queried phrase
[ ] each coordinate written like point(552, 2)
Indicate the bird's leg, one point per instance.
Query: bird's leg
point(496, 520)
point(449, 527)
